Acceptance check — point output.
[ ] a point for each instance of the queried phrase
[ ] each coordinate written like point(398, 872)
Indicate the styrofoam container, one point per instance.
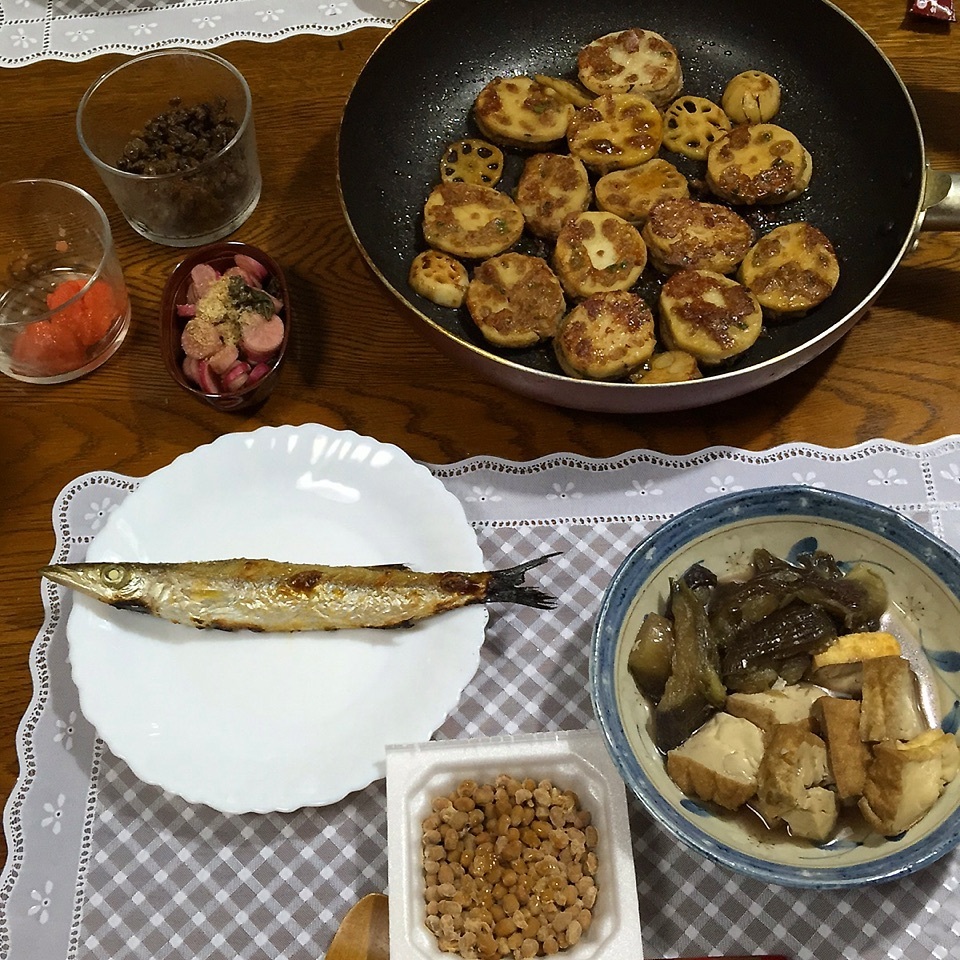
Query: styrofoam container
point(578, 760)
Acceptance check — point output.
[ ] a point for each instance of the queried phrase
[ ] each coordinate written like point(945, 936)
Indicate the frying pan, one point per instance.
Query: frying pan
point(869, 193)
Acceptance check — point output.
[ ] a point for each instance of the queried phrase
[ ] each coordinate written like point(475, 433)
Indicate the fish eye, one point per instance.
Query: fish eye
point(114, 576)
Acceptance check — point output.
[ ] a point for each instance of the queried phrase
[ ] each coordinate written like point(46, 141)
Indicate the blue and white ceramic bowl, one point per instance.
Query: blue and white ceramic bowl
point(923, 579)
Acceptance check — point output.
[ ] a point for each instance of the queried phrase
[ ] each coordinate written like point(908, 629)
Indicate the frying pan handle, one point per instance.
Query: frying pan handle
point(941, 201)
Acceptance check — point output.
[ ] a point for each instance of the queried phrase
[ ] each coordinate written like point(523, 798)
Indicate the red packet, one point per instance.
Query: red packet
point(934, 9)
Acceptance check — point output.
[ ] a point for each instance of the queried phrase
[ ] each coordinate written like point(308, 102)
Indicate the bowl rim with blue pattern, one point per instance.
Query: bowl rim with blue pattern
point(922, 574)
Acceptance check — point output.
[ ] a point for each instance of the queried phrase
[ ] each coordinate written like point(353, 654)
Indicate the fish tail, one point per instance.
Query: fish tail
point(506, 586)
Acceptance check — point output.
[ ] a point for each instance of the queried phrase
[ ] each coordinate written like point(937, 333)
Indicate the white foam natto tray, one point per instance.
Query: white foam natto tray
point(578, 761)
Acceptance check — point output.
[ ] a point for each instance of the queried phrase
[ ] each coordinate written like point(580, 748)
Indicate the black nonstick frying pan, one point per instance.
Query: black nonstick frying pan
point(841, 97)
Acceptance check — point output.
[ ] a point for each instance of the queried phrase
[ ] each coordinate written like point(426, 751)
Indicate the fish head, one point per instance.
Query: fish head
point(119, 584)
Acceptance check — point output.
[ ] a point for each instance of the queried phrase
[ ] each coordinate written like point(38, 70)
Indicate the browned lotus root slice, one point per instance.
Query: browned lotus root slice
point(617, 130)
point(470, 220)
point(632, 61)
point(552, 187)
point(472, 161)
point(691, 124)
point(596, 252)
point(671, 366)
point(751, 97)
point(633, 193)
point(439, 277)
point(571, 92)
point(519, 112)
point(605, 337)
point(691, 234)
point(758, 164)
point(791, 270)
point(515, 300)
point(709, 316)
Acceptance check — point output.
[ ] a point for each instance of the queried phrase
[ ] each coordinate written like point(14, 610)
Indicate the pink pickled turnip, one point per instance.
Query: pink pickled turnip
point(191, 369)
point(258, 372)
point(236, 377)
point(248, 278)
point(251, 266)
point(224, 358)
point(199, 339)
point(206, 379)
point(202, 277)
point(262, 340)
point(228, 344)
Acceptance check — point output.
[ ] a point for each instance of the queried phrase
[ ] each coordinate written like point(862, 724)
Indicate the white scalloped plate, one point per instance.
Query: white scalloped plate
point(247, 722)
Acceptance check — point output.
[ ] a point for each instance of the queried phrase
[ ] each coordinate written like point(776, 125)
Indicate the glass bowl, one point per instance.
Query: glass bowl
point(137, 117)
point(64, 308)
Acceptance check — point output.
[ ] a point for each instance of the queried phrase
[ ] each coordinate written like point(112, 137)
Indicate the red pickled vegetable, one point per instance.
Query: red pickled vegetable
point(230, 339)
point(251, 266)
point(224, 358)
point(259, 371)
point(262, 340)
point(236, 377)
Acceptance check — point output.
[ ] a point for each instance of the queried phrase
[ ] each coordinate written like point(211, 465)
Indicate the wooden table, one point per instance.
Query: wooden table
point(893, 376)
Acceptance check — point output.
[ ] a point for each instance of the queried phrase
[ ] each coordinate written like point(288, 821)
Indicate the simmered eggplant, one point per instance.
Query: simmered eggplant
point(854, 602)
point(693, 690)
point(651, 656)
point(783, 641)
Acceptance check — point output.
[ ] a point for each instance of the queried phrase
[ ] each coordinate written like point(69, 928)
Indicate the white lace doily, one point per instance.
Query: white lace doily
point(33, 30)
point(103, 867)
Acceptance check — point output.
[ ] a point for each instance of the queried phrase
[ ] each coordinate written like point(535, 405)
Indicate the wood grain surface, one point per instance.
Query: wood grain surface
point(358, 360)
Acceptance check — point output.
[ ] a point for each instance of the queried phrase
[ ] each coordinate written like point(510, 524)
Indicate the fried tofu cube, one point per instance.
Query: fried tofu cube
point(840, 666)
point(847, 754)
point(719, 762)
point(905, 780)
point(890, 709)
point(792, 704)
point(794, 761)
point(815, 817)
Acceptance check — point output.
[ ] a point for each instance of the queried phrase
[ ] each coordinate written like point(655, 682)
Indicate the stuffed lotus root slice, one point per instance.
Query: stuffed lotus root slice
point(472, 161)
point(691, 234)
point(515, 300)
point(605, 337)
point(708, 315)
point(597, 252)
point(631, 61)
point(551, 188)
point(566, 90)
point(791, 270)
point(439, 277)
point(633, 193)
point(617, 130)
point(519, 112)
point(691, 124)
point(670, 366)
point(758, 164)
point(469, 220)
point(751, 97)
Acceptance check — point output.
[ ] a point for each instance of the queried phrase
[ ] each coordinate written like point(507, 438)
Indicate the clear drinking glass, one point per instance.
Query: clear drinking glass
point(64, 308)
point(193, 206)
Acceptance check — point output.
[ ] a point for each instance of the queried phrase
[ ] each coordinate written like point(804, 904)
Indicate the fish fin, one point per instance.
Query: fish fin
point(388, 566)
point(506, 586)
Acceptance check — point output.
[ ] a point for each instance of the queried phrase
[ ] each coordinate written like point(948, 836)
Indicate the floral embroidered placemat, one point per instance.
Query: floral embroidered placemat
point(32, 30)
point(104, 867)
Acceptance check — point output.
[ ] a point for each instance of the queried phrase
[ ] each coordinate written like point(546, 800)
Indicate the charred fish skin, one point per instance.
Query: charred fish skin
point(271, 596)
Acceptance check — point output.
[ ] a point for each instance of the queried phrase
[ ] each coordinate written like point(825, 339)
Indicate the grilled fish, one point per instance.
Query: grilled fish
point(269, 596)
